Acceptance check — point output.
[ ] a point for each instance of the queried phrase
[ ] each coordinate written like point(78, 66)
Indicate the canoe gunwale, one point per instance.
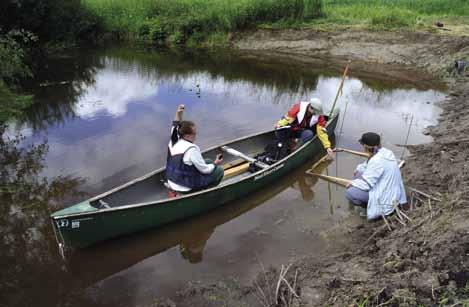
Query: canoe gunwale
point(168, 201)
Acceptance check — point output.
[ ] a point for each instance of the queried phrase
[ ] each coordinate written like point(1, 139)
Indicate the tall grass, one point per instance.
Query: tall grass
point(186, 21)
point(392, 13)
point(180, 20)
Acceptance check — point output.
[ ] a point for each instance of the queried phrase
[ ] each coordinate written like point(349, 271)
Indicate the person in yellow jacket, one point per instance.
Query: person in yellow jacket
point(306, 119)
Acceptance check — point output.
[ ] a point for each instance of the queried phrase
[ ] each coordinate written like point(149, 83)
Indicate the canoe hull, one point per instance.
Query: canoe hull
point(84, 229)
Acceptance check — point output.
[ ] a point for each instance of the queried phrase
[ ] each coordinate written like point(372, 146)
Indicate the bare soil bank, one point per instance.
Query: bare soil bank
point(423, 260)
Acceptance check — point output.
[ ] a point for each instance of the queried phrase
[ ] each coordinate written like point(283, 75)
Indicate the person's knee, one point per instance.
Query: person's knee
point(349, 195)
point(217, 174)
point(356, 196)
point(306, 135)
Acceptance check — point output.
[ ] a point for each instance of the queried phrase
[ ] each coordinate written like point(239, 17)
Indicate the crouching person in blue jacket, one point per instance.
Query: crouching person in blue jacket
point(377, 184)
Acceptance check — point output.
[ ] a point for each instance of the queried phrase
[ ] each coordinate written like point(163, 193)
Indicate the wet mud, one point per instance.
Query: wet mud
point(420, 258)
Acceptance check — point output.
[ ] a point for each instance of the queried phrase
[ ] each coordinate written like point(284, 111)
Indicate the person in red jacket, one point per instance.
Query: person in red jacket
point(306, 119)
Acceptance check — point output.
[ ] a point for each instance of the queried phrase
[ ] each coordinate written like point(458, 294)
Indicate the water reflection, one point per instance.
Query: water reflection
point(115, 127)
point(57, 87)
point(27, 247)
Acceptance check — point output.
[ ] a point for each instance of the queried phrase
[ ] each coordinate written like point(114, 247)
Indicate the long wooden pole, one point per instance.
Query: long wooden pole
point(358, 153)
point(339, 90)
point(340, 181)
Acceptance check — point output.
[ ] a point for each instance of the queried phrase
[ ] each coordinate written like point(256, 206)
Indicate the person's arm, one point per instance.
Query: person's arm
point(321, 132)
point(195, 157)
point(179, 111)
point(285, 121)
point(373, 172)
point(175, 125)
point(289, 118)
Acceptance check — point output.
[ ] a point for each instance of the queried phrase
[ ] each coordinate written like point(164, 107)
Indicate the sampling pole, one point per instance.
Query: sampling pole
point(339, 91)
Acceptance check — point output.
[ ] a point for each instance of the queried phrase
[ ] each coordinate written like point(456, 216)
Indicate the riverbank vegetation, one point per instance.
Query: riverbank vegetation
point(388, 14)
point(193, 21)
point(28, 31)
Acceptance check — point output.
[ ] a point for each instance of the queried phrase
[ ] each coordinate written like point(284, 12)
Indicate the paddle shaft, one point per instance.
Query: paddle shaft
point(239, 154)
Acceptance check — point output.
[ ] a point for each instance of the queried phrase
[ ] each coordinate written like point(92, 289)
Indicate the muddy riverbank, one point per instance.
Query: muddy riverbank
point(423, 260)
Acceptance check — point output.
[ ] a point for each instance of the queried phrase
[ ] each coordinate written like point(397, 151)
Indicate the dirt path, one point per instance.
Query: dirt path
point(424, 261)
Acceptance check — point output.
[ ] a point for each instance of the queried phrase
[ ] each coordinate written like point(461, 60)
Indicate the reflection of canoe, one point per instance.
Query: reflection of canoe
point(114, 256)
point(143, 203)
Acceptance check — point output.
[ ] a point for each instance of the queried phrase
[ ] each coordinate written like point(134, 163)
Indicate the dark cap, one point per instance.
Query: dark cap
point(370, 139)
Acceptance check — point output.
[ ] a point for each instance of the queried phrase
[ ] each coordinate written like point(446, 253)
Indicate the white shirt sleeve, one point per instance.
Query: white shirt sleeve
point(194, 157)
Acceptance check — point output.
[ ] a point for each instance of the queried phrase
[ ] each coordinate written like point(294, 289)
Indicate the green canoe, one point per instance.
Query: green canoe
point(143, 203)
point(113, 256)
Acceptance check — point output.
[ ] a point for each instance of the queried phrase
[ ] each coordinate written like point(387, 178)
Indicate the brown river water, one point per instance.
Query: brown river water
point(105, 117)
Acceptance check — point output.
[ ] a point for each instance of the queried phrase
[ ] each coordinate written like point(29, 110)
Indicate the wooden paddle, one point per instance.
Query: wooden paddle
point(241, 155)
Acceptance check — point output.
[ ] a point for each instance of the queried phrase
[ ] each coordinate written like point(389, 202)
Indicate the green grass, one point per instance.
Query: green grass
point(391, 13)
point(178, 20)
point(194, 21)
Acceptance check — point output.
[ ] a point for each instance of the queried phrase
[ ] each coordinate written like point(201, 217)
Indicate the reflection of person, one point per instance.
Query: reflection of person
point(377, 183)
point(193, 248)
point(306, 119)
point(186, 170)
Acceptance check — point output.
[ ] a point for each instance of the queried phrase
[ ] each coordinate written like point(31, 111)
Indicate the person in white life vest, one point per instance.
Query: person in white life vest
point(306, 119)
point(186, 169)
point(377, 184)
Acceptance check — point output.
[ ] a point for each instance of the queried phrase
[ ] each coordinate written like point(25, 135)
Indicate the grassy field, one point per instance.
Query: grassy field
point(392, 13)
point(180, 21)
point(193, 21)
